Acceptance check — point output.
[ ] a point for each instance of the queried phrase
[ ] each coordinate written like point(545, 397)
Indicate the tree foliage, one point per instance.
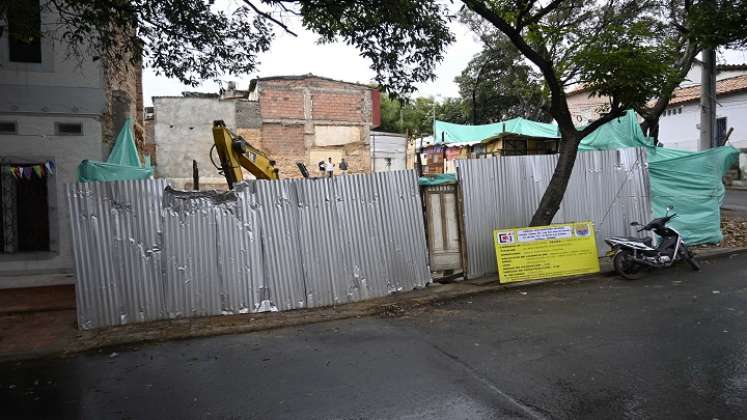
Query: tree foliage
point(415, 118)
point(629, 51)
point(194, 40)
point(498, 84)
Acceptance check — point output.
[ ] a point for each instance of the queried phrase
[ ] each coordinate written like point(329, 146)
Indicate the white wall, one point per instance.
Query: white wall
point(35, 142)
point(183, 131)
point(681, 129)
point(36, 96)
point(388, 151)
point(60, 83)
point(694, 75)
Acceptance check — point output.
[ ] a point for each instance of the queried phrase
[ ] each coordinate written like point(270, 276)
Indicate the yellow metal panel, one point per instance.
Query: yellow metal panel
point(531, 253)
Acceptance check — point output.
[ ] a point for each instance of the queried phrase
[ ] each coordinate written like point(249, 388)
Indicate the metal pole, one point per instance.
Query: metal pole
point(195, 176)
point(708, 100)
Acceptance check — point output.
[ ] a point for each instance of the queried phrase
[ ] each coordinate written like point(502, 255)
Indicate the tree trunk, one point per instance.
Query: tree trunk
point(555, 191)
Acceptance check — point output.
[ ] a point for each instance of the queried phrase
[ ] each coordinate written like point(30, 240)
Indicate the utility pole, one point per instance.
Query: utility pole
point(708, 100)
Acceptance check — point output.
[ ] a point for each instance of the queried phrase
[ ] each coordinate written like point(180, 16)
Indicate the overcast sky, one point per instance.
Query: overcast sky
point(291, 55)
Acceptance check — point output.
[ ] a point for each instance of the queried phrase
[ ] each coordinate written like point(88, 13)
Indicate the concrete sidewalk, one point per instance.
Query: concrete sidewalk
point(50, 328)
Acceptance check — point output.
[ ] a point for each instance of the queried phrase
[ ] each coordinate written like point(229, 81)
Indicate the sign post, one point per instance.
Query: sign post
point(532, 253)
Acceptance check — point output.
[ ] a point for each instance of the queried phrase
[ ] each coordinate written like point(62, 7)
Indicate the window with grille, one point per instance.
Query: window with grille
point(24, 31)
point(8, 127)
point(69, 129)
point(721, 130)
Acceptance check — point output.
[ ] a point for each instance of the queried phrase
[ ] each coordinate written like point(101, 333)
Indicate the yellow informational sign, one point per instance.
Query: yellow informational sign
point(531, 253)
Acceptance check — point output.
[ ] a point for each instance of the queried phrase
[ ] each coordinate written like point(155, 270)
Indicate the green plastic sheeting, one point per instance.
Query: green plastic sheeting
point(622, 132)
point(691, 182)
point(619, 133)
point(123, 162)
point(448, 133)
point(440, 179)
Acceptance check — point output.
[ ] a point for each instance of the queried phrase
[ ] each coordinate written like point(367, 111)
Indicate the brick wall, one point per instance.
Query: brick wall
point(290, 111)
point(281, 103)
point(285, 144)
point(344, 107)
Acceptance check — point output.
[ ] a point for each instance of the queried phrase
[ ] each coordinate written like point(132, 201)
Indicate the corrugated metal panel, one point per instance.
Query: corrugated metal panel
point(278, 209)
point(144, 254)
point(609, 187)
point(115, 232)
point(212, 260)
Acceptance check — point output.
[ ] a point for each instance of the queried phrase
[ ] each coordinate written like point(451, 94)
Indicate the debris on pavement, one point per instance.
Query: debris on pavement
point(391, 310)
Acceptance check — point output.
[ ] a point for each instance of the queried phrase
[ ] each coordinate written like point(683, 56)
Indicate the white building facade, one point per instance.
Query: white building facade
point(679, 125)
point(55, 111)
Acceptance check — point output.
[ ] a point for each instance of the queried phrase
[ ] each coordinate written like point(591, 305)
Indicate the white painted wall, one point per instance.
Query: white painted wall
point(34, 142)
point(694, 75)
point(36, 96)
point(183, 131)
point(680, 130)
point(388, 151)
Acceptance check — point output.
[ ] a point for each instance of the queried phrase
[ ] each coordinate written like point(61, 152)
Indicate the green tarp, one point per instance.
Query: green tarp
point(691, 182)
point(619, 133)
point(440, 179)
point(123, 162)
point(448, 133)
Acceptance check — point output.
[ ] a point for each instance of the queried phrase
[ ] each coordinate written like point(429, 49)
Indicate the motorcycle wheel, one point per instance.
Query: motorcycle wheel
point(690, 258)
point(626, 266)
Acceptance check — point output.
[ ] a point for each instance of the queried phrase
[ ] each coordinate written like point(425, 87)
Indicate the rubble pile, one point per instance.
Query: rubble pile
point(735, 231)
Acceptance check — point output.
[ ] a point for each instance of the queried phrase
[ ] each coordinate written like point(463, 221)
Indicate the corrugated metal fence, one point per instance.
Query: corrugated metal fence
point(145, 252)
point(609, 188)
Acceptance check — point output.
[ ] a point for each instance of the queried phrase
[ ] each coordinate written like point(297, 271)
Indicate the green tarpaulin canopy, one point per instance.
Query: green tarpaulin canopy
point(448, 133)
point(617, 134)
point(688, 181)
point(123, 162)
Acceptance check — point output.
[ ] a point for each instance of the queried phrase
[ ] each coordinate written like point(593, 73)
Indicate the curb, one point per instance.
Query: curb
point(180, 329)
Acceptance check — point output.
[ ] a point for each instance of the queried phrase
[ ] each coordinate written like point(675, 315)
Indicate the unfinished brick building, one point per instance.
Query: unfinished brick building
point(293, 118)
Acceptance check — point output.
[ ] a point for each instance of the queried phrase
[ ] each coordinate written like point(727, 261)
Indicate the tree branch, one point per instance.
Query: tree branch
point(559, 105)
point(269, 17)
point(543, 12)
point(652, 114)
point(615, 112)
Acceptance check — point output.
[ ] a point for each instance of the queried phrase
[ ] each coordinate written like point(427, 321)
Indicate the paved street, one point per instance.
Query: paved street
point(669, 346)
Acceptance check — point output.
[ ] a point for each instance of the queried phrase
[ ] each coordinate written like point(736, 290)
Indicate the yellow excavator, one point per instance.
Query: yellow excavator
point(235, 153)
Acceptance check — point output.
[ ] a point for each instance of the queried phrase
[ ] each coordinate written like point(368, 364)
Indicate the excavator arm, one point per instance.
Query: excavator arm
point(236, 153)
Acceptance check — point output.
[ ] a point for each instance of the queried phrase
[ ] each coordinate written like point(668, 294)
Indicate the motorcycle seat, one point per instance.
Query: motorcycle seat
point(647, 240)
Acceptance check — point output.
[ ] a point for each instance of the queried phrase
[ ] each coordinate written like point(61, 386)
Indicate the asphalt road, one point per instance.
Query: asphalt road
point(736, 201)
point(673, 345)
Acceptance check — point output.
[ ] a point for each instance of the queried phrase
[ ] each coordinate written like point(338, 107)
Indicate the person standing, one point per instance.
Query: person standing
point(330, 167)
point(343, 166)
point(322, 167)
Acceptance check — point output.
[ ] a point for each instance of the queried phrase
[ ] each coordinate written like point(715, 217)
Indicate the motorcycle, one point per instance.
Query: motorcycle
point(631, 255)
